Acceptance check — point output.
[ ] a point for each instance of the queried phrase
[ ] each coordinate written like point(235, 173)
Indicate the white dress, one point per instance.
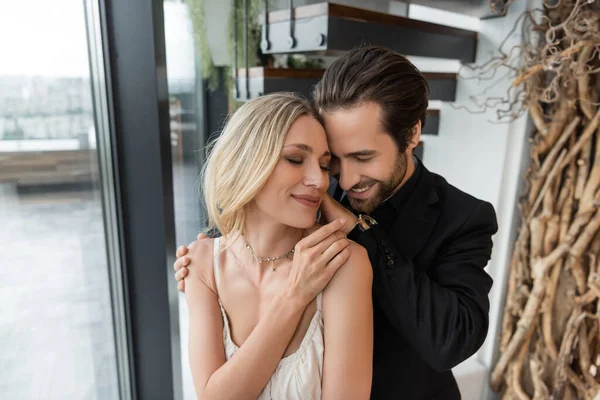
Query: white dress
point(298, 375)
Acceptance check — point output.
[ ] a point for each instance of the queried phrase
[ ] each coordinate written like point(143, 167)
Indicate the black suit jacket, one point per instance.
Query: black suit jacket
point(430, 292)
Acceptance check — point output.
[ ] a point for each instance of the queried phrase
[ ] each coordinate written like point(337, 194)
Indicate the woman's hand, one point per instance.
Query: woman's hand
point(316, 259)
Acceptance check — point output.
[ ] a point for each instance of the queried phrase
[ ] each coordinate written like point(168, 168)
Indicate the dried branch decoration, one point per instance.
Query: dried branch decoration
point(550, 343)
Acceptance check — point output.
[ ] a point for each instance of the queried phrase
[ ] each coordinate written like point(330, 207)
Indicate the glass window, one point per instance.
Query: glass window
point(56, 314)
point(188, 139)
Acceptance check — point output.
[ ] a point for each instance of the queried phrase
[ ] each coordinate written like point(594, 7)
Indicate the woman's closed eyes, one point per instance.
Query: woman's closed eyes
point(299, 161)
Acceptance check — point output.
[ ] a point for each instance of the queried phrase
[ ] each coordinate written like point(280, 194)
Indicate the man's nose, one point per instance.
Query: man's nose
point(348, 176)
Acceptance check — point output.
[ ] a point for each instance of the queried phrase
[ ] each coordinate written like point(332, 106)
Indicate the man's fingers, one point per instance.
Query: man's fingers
point(323, 232)
point(181, 286)
point(202, 236)
point(181, 250)
point(180, 263)
point(332, 251)
point(181, 274)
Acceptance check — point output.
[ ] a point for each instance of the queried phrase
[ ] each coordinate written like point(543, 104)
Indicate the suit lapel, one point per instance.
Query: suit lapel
point(416, 220)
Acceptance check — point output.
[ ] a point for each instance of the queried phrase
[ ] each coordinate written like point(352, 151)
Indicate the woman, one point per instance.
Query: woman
point(254, 331)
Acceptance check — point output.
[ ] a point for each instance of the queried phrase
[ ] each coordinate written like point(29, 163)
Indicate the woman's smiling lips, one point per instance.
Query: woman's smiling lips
point(307, 200)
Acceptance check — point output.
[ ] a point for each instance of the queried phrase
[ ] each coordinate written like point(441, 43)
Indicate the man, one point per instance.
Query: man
point(428, 242)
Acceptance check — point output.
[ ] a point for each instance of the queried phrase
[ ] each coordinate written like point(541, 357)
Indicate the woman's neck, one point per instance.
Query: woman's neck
point(269, 238)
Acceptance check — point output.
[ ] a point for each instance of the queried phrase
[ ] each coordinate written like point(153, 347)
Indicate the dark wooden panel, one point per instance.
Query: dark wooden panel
point(281, 72)
point(364, 15)
point(441, 86)
point(419, 150)
point(288, 80)
point(432, 123)
point(334, 28)
point(268, 80)
point(347, 34)
point(473, 8)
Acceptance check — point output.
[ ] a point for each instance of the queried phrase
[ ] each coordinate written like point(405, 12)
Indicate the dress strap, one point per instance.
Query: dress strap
point(216, 258)
point(320, 301)
point(216, 262)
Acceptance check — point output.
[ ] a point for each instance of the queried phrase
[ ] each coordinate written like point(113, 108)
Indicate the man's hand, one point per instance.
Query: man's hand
point(331, 210)
point(316, 259)
point(180, 265)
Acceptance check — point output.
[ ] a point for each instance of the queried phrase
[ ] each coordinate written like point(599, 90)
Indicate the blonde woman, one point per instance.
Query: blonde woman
point(279, 308)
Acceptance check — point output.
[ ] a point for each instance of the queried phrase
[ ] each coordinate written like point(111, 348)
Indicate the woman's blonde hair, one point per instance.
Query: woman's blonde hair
point(243, 158)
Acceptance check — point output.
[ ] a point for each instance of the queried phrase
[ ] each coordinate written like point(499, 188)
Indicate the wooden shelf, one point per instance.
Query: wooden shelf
point(292, 73)
point(472, 8)
point(302, 81)
point(269, 80)
point(334, 28)
point(364, 15)
point(432, 123)
point(419, 150)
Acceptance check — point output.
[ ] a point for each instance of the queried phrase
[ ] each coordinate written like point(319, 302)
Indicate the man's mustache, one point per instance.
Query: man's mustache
point(360, 184)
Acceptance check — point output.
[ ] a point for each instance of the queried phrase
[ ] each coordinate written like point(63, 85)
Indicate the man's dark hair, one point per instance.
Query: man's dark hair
point(382, 76)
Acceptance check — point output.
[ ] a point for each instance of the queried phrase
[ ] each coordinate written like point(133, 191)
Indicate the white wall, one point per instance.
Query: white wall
point(487, 160)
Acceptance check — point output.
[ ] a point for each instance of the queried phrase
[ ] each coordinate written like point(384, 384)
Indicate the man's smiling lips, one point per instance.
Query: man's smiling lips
point(361, 193)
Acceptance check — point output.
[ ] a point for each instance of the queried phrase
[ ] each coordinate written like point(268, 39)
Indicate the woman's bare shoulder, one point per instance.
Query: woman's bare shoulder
point(356, 270)
point(358, 261)
point(201, 254)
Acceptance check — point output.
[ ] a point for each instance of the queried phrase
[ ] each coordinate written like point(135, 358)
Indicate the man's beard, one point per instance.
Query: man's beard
point(386, 188)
